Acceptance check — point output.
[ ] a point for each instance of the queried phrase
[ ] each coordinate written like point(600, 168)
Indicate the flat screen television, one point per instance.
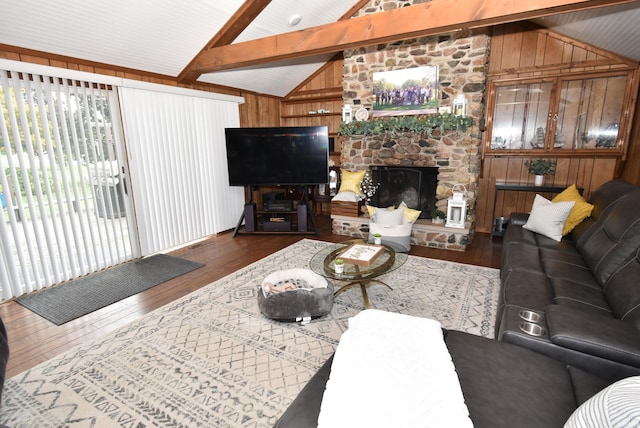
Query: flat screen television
point(278, 156)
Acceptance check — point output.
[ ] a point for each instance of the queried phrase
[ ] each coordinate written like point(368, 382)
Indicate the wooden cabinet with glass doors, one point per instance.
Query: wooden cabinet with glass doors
point(573, 114)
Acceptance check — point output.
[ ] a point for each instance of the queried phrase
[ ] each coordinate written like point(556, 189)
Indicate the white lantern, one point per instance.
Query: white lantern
point(347, 113)
point(457, 208)
point(460, 105)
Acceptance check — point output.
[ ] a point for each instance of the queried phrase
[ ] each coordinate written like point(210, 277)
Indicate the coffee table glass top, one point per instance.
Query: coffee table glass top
point(322, 263)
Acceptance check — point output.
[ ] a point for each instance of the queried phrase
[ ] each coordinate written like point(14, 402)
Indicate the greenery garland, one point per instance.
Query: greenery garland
point(398, 124)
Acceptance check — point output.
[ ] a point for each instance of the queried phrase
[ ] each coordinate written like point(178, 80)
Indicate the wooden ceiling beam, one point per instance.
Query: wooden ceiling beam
point(240, 20)
point(425, 19)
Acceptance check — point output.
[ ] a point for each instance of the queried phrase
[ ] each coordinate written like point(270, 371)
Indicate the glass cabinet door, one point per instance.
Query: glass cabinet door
point(589, 113)
point(520, 116)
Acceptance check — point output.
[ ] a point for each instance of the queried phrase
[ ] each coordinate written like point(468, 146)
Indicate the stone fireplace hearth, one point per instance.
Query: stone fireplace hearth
point(428, 154)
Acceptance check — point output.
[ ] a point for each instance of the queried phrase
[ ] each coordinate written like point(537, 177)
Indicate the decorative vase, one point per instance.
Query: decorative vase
point(377, 240)
point(539, 180)
point(339, 268)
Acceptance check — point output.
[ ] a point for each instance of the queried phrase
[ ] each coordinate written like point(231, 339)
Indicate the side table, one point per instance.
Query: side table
point(503, 186)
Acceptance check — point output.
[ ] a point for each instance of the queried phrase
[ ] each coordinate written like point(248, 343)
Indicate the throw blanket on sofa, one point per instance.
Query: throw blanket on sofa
point(393, 370)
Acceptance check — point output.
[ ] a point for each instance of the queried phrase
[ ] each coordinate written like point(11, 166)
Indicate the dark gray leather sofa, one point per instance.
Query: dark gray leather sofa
point(503, 386)
point(586, 288)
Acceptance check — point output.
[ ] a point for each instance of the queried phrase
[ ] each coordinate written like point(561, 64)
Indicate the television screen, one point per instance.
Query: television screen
point(284, 155)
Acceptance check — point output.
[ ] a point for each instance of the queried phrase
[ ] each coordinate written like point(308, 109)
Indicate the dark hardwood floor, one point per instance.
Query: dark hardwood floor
point(33, 339)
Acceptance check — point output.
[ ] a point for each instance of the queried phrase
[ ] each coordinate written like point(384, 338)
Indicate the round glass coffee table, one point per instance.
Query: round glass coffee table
point(354, 275)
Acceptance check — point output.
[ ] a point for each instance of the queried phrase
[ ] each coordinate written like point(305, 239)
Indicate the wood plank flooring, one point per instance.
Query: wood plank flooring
point(33, 339)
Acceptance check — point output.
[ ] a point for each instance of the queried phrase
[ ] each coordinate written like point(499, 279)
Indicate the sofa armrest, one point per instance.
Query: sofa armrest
point(518, 219)
point(594, 334)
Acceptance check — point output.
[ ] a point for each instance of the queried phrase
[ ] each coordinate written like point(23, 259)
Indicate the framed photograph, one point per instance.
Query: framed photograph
point(361, 254)
point(405, 92)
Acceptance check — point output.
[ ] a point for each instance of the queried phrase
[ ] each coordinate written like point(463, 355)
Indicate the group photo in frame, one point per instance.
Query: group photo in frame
point(410, 91)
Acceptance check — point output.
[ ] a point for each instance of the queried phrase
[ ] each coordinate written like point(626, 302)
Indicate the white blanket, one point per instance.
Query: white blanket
point(393, 370)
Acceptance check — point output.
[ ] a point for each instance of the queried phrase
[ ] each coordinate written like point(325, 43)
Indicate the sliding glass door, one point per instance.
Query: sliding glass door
point(66, 210)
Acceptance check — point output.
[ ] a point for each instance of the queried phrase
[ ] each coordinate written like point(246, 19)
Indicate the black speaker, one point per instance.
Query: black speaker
point(250, 218)
point(302, 218)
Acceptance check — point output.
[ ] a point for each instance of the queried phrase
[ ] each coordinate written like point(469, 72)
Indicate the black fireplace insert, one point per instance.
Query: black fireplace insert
point(416, 186)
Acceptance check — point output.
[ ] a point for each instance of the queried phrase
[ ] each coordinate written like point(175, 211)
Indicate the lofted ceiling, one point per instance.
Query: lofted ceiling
point(167, 37)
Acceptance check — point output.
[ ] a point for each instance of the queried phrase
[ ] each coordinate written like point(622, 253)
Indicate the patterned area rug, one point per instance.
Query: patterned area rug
point(211, 359)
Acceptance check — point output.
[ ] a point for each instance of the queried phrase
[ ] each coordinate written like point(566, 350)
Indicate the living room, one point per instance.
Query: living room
point(33, 340)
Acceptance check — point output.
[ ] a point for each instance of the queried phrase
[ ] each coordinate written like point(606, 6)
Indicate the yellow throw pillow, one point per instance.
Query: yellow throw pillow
point(350, 181)
point(410, 215)
point(581, 210)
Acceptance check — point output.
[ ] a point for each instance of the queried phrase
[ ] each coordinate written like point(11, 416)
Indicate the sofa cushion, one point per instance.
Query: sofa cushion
point(504, 386)
point(586, 385)
point(520, 256)
point(604, 196)
point(563, 267)
point(593, 334)
point(623, 291)
point(572, 293)
point(615, 235)
point(548, 218)
point(502, 383)
point(527, 289)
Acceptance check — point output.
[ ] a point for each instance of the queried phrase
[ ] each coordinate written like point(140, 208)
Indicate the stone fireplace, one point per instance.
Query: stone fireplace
point(462, 59)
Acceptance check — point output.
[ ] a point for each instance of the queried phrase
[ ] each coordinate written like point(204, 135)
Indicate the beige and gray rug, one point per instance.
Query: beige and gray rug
point(211, 359)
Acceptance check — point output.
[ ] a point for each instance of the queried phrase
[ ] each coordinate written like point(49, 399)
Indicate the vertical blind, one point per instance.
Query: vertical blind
point(60, 167)
point(177, 160)
point(76, 193)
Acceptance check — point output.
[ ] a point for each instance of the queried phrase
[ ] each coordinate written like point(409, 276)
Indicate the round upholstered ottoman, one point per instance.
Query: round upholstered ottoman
point(295, 295)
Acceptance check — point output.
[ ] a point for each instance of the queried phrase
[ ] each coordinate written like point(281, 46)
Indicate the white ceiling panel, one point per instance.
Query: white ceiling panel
point(614, 28)
point(159, 36)
point(273, 79)
point(281, 78)
point(163, 36)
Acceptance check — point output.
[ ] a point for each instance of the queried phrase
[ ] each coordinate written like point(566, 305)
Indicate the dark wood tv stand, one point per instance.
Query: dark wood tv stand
point(284, 217)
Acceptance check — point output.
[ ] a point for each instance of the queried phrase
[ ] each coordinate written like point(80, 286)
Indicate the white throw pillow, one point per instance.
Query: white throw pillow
point(389, 217)
point(346, 197)
point(547, 218)
point(616, 406)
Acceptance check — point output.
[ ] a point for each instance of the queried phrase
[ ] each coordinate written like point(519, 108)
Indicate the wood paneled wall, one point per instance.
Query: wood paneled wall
point(258, 110)
point(517, 50)
point(521, 50)
point(588, 173)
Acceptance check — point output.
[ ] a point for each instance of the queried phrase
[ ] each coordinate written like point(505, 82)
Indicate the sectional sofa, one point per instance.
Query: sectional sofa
point(568, 327)
point(583, 291)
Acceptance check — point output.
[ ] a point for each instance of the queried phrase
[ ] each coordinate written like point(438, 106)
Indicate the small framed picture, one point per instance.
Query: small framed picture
point(361, 254)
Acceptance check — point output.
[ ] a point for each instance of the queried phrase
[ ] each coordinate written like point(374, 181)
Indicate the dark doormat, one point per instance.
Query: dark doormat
point(70, 300)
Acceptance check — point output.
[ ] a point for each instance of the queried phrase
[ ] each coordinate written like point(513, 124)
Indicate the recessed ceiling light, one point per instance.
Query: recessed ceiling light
point(294, 20)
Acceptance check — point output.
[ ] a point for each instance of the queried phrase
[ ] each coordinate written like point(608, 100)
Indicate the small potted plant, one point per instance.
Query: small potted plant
point(377, 238)
point(339, 265)
point(540, 168)
point(437, 216)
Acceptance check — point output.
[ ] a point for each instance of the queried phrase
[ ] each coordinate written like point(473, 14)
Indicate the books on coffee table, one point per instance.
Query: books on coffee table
point(361, 254)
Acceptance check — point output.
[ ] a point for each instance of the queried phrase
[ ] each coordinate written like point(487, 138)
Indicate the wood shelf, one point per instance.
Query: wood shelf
point(313, 99)
point(294, 116)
